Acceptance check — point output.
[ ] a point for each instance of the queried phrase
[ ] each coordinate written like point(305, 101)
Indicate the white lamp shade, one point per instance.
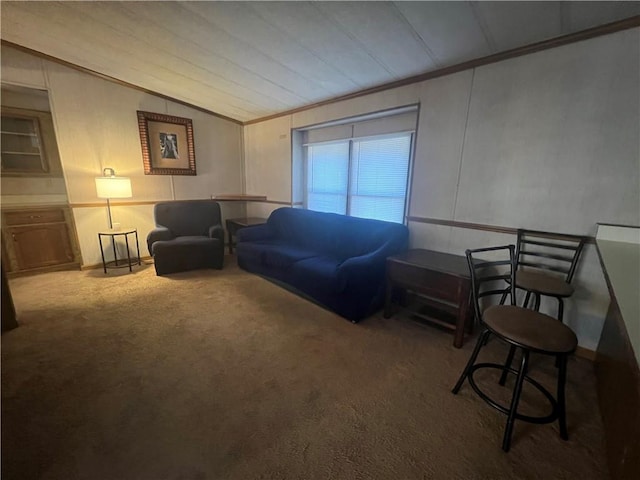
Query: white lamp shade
point(113, 187)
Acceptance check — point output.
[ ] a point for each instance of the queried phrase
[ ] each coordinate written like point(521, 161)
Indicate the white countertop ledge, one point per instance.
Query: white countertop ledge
point(619, 248)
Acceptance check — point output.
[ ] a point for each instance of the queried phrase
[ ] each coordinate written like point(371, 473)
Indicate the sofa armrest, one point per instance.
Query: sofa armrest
point(216, 231)
point(363, 262)
point(365, 271)
point(157, 234)
point(254, 233)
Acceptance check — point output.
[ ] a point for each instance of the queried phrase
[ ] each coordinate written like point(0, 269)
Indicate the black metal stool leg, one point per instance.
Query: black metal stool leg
point(536, 305)
point(560, 309)
point(506, 441)
point(527, 297)
point(481, 339)
point(504, 297)
point(507, 365)
point(562, 415)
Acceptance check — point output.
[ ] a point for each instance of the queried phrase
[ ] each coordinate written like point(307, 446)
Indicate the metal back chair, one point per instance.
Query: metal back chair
point(522, 329)
point(486, 273)
point(546, 265)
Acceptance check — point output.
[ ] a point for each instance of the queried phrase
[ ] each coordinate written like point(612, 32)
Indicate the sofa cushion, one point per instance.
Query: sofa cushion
point(251, 252)
point(187, 253)
point(283, 256)
point(184, 243)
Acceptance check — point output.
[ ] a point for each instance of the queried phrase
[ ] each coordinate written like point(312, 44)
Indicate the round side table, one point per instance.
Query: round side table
point(125, 232)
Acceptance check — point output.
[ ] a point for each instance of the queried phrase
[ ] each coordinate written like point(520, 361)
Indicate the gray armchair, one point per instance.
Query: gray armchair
point(188, 236)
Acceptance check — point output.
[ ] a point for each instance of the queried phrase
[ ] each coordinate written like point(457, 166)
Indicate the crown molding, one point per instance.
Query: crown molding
point(109, 78)
point(598, 31)
point(555, 42)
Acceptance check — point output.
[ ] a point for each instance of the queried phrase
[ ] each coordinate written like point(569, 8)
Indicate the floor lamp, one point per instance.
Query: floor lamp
point(109, 186)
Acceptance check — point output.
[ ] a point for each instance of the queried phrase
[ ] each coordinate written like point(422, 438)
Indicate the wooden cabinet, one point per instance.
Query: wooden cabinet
point(39, 239)
point(8, 319)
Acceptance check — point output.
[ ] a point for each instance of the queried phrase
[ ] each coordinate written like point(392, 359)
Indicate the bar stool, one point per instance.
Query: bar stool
point(522, 329)
point(541, 254)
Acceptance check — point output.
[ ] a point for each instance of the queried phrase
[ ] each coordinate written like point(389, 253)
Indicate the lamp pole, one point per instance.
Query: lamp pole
point(109, 210)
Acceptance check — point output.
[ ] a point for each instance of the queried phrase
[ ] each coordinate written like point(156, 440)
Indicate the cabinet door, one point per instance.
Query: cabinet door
point(41, 245)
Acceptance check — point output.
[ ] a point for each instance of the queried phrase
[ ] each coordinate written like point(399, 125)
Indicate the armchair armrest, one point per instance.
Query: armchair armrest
point(157, 234)
point(216, 231)
point(254, 233)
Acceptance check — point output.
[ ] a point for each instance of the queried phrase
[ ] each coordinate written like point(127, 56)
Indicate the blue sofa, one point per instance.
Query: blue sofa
point(336, 260)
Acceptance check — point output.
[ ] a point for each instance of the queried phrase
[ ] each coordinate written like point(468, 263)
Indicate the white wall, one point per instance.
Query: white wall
point(545, 141)
point(268, 164)
point(96, 127)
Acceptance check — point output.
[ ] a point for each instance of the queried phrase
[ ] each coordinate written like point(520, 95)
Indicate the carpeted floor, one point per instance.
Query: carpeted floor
point(223, 375)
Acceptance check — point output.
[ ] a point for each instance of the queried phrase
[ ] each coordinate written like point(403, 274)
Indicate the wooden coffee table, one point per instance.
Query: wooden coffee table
point(235, 224)
point(442, 284)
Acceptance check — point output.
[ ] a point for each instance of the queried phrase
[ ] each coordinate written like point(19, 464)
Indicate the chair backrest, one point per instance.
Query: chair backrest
point(494, 274)
point(557, 252)
point(187, 217)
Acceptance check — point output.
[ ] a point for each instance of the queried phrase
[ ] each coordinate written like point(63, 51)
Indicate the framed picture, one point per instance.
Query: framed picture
point(167, 144)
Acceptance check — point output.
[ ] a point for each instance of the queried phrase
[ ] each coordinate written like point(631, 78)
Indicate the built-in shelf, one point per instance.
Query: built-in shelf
point(22, 142)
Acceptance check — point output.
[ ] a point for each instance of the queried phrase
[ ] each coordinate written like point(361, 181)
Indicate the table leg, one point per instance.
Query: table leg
point(387, 299)
point(104, 264)
point(471, 314)
point(463, 313)
point(126, 242)
point(138, 248)
point(115, 254)
point(230, 240)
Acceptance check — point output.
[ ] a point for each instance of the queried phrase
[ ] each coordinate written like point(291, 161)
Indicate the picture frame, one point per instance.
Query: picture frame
point(167, 144)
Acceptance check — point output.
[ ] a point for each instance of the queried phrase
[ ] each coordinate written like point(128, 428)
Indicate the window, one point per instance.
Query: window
point(359, 177)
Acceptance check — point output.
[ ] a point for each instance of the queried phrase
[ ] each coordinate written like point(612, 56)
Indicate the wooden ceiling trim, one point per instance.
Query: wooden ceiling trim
point(598, 31)
point(114, 80)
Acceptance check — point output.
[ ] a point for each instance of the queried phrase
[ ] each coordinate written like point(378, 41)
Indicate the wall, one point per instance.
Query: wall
point(268, 166)
point(96, 127)
point(545, 141)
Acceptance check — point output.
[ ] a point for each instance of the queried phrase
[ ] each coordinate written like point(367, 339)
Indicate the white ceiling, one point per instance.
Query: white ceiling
point(247, 60)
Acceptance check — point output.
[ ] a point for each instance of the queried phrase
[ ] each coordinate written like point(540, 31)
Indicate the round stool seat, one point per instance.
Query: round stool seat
point(543, 283)
point(530, 329)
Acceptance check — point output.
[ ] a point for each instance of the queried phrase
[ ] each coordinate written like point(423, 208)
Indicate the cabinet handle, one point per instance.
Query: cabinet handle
point(35, 216)
point(14, 237)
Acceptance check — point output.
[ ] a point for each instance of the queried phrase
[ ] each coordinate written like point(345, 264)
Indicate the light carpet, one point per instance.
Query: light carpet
point(224, 375)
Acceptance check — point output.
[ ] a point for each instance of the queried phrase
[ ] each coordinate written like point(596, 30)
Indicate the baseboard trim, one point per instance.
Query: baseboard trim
point(50, 268)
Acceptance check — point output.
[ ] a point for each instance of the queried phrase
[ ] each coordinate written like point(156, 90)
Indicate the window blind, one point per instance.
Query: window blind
point(363, 178)
point(328, 177)
point(378, 181)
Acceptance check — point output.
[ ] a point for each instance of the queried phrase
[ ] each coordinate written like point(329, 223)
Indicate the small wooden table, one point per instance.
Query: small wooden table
point(442, 284)
point(235, 224)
